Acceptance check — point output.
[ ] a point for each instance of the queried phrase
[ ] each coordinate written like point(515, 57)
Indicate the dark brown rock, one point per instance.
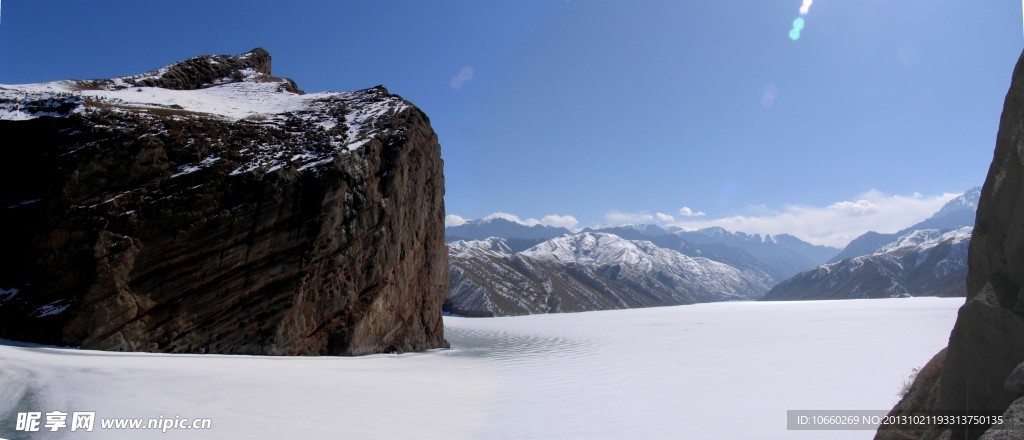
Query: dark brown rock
point(976, 380)
point(1012, 426)
point(987, 342)
point(1015, 382)
point(921, 399)
point(200, 72)
point(313, 230)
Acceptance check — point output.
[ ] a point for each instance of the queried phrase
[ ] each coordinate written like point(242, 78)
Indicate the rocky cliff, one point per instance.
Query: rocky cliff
point(977, 372)
point(209, 207)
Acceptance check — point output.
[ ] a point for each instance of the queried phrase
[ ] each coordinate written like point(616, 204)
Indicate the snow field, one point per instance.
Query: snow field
point(719, 370)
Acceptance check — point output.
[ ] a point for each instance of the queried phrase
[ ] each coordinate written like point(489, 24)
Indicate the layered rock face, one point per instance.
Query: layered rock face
point(987, 342)
point(208, 207)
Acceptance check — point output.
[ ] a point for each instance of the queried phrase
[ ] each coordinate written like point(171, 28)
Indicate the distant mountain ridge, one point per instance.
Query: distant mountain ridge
point(956, 213)
point(780, 256)
point(517, 235)
point(499, 266)
point(582, 272)
point(926, 259)
point(926, 262)
point(771, 258)
point(784, 254)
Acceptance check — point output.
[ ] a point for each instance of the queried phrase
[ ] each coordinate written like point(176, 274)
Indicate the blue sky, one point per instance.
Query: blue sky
point(613, 111)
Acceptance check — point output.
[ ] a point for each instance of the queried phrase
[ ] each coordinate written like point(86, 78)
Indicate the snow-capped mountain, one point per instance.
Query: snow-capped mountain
point(517, 235)
point(928, 262)
point(968, 201)
point(585, 271)
point(778, 256)
point(783, 254)
point(490, 245)
point(956, 213)
point(660, 262)
point(645, 258)
point(631, 232)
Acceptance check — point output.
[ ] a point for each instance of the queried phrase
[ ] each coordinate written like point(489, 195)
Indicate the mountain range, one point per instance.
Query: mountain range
point(926, 262)
point(500, 267)
point(585, 271)
point(954, 214)
point(926, 259)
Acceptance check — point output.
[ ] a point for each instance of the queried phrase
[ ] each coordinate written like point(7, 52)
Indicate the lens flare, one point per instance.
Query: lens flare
point(799, 23)
point(806, 7)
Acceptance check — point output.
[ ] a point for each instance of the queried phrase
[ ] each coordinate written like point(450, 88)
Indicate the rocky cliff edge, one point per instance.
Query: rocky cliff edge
point(982, 368)
point(209, 207)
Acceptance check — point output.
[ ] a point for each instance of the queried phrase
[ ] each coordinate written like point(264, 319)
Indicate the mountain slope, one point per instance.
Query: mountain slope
point(955, 214)
point(920, 263)
point(773, 258)
point(784, 255)
point(517, 235)
point(586, 271)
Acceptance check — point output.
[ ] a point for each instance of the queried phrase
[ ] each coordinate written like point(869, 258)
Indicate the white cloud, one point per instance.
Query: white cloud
point(453, 220)
point(553, 220)
point(465, 75)
point(761, 209)
point(855, 208)
point(513, 218)
point(835, 224)
point(560, 221)
point(617, 218)
point(687, 212)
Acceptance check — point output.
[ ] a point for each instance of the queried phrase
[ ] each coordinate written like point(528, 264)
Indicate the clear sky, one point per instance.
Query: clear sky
point(611, 111)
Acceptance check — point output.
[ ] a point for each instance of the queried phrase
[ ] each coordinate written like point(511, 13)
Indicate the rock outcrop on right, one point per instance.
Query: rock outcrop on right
point(987, 342)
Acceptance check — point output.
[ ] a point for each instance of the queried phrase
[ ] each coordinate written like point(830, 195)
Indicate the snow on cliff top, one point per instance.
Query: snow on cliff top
point(245, 94)
point(233, 100)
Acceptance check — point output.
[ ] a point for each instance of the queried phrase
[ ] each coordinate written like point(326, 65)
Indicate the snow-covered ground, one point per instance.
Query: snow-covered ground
point(722, 370)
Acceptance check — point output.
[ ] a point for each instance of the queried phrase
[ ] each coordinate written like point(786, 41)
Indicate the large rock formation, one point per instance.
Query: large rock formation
point(209, 207)
point(987, 342)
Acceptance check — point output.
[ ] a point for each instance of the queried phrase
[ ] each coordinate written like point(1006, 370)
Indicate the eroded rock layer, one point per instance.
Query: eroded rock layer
point(987, 342)
point(210, 207)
